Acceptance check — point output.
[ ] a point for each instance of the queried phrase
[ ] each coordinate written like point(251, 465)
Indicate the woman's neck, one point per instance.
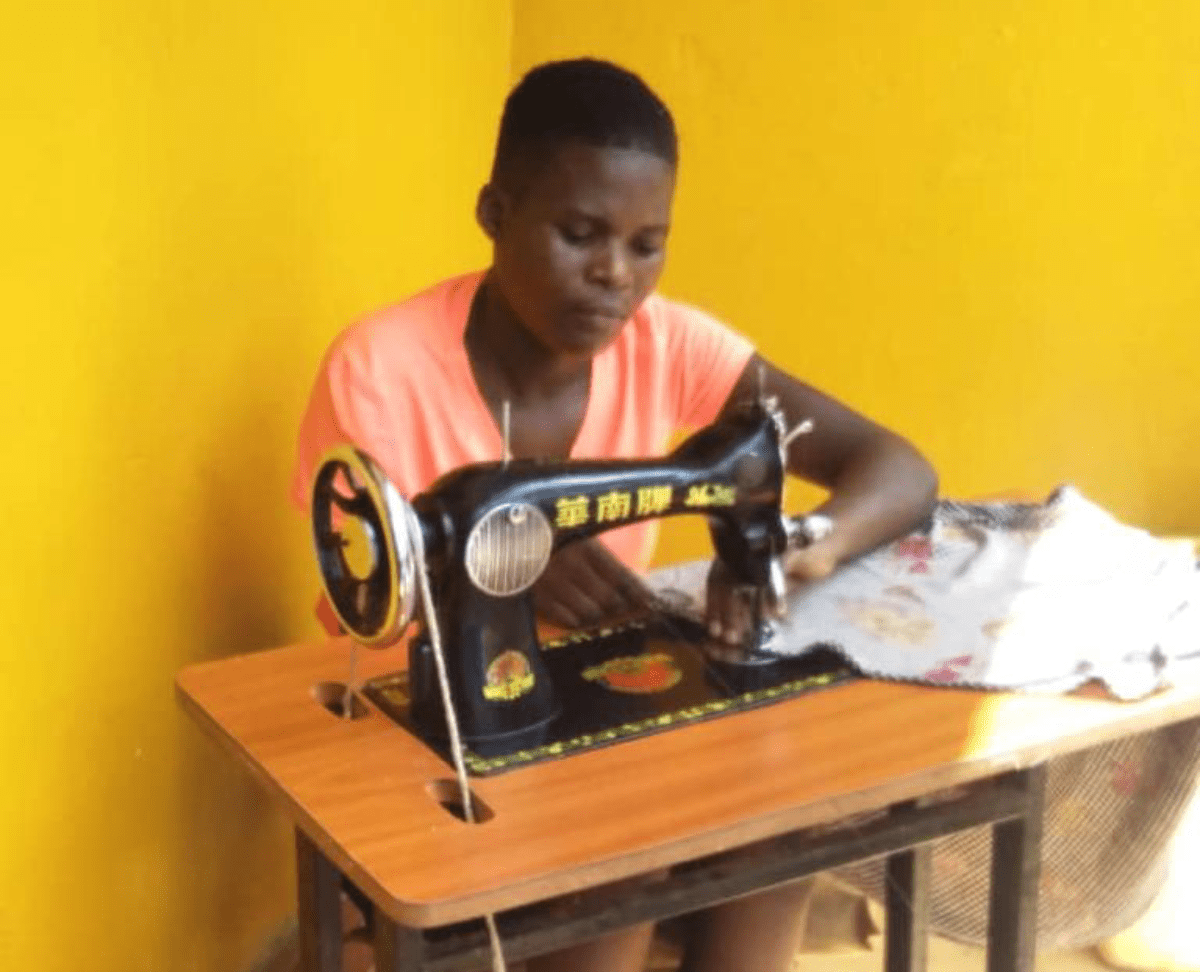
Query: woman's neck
point(501, 348)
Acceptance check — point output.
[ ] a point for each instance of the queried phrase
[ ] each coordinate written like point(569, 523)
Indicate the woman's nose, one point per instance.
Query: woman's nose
point(610, 267)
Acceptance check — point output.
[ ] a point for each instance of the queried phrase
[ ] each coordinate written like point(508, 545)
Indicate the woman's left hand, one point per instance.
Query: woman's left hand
point(812, 563)
point(730, 608)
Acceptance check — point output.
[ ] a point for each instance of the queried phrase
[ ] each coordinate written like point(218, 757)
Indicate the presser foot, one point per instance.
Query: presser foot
point(754, 610)
point(759, 647)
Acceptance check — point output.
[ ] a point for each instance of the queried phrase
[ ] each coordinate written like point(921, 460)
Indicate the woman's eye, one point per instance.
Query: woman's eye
point(577, 232)
point(647, 247)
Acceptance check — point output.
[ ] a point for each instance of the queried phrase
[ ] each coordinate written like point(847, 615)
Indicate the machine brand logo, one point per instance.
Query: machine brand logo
point(508, 677)
point(620, 504)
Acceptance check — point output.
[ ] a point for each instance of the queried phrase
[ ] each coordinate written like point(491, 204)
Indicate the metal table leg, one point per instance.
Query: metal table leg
point(1016, 870)
point(397, 949)
point(318, 908)
point(907, 877)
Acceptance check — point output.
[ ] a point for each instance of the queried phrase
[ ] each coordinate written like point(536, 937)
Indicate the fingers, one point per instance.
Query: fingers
point(586, 585)
point(628, 592)
point(568, 593)
point(729, 606)
point(563, 606)
point(732, 610)
point(740, 618)
point(810, 563)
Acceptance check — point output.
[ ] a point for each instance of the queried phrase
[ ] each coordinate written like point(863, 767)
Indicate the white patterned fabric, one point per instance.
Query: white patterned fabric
point(1017, 596)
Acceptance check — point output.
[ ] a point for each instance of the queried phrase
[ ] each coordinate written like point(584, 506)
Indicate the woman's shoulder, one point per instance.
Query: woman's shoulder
point(427, 324)
point(673, 324)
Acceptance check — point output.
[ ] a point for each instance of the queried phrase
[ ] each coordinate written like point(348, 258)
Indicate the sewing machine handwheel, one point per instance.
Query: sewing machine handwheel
point(367, 579)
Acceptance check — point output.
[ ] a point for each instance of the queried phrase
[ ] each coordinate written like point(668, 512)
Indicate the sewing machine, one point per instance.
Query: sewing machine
point(469, 550)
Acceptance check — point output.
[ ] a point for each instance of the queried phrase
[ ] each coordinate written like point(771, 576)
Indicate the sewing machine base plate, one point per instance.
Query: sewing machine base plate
point(623, 683)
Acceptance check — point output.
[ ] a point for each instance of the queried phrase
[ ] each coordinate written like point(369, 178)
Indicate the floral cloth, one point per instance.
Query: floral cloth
point(1037, 596)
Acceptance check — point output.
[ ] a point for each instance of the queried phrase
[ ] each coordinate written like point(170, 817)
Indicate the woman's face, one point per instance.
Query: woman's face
point(583, 244)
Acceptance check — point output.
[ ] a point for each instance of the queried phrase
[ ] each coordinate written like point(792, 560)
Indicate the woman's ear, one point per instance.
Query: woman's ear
point(489, 211)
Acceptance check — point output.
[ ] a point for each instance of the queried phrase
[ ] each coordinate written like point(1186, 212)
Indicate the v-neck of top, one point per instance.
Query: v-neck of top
point(460, 312)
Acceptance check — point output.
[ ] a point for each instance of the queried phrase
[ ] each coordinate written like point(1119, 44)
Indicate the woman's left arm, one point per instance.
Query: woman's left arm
point(880, 486)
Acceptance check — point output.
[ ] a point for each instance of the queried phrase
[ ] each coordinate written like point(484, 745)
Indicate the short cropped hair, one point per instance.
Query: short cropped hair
point(584, 100)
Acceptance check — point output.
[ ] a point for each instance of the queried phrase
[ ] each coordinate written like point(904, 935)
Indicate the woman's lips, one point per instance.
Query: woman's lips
point(598, 316)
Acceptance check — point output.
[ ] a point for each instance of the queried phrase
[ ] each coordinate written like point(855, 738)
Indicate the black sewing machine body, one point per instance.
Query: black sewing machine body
point(488, 531)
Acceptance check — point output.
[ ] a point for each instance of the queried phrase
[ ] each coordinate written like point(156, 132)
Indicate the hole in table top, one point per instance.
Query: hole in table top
point(447, 794)
point(332, 696)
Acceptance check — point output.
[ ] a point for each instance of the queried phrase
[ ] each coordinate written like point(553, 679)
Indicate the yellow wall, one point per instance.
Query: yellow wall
point(977, 221)
point(974, 220)
point(195, 197)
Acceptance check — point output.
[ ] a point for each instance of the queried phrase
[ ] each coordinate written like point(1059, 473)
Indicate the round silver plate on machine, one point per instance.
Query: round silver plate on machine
point(508, 549)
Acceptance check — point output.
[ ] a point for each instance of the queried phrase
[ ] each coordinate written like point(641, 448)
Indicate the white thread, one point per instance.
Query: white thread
point(416, 547)
point(507, 423)
point(802, 429)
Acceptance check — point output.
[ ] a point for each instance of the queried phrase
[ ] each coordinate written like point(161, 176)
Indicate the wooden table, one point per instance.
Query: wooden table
point(363, 794)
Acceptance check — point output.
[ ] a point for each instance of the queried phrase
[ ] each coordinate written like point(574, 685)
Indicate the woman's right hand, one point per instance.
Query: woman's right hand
point(585, 585)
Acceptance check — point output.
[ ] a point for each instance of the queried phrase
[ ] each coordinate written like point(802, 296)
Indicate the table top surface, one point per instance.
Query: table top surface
point(365, 789)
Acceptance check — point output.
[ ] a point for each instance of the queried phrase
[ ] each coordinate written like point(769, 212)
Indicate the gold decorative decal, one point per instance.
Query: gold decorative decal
point(508, 677)
point(572, 511)
point(594, 634)
point(637, 674)
point(710, 494)
point(668, 720)
point(654, 499)
point(613, 506)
